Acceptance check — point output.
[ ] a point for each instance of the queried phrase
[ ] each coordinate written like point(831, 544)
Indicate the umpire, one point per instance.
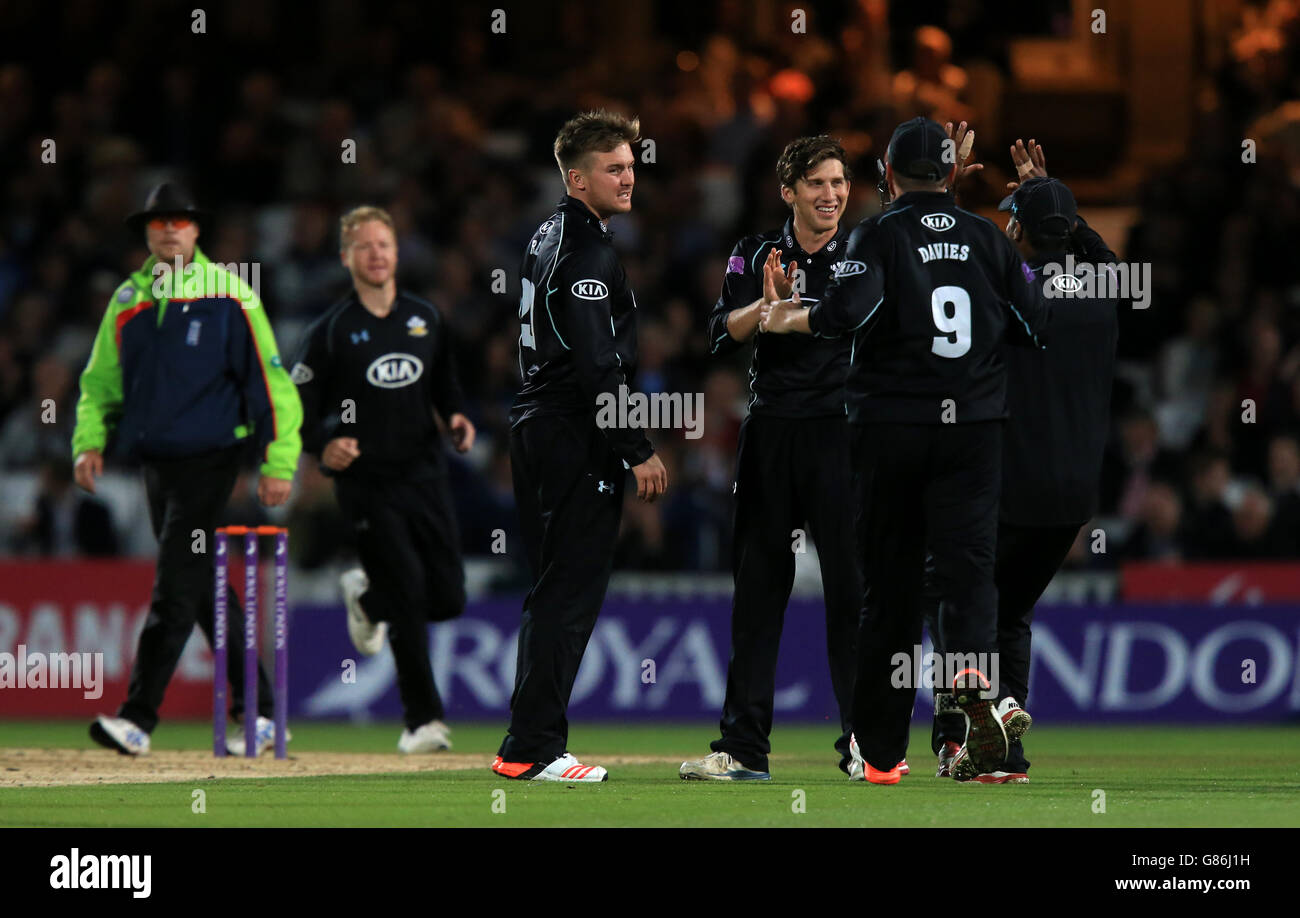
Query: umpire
point(372, 371)
point(929, 292)
point(1059, 406)
point(792, 464)
point(577, 345)
point(188, 386)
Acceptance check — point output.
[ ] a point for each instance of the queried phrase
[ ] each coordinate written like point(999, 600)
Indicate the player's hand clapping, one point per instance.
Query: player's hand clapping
point(777, 310)
point(782, 281)
point(340, 453)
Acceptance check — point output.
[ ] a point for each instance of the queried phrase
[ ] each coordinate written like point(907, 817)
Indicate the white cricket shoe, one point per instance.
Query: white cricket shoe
point(265, 737)
point(431, 737)
point(720, 766)
point(120, 734)
point(1015, 719)
point(367, 636)
point(568, 770)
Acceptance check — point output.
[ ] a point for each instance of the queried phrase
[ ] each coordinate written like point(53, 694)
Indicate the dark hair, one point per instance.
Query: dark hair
point(906, 183)
point(805, 154)
point(593, 132)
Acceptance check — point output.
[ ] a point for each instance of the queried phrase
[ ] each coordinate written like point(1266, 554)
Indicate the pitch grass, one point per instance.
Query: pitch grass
point(1151, 777)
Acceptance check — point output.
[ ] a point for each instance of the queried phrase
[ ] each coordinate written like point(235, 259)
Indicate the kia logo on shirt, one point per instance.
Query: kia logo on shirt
point(590, 290)
point(940, 223)
point(1067, 283)
point(848, 268)
point(393, 371)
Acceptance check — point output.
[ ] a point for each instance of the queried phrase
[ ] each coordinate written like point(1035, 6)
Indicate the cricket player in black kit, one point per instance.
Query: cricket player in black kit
point(371, 373)
point(1058, 402)
point(792, 469)
point(929, 292)
point(577, 345)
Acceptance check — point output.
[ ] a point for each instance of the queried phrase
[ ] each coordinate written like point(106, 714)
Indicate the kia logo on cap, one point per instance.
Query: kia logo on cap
point(393, 371)
point(590, 289)
point(940, 223)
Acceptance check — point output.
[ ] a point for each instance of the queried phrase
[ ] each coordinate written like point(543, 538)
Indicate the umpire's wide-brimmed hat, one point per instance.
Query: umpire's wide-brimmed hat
point(167, 199)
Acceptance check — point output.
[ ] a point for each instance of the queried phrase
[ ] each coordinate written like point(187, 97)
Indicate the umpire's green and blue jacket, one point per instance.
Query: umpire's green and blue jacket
point(176, 376)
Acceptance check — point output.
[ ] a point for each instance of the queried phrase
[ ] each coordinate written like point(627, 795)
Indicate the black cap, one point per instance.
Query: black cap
point(167, 199)
point(916, 150)
point(1045, 208)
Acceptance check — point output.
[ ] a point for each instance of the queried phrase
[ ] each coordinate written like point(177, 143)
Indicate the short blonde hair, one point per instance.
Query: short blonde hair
point(358, 215)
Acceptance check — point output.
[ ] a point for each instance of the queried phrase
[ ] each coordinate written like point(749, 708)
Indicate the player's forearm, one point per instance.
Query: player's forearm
point(743, 322)
point(796, 320)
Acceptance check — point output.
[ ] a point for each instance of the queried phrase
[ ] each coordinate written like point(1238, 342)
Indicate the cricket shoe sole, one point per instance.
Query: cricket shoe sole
point(986, 738)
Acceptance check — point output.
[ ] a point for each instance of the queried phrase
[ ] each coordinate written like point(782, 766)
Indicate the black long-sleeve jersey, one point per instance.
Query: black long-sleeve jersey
point(790, 376)
point(929, 292)
point(1059, 402)
point(378, 380)
point(577, 325)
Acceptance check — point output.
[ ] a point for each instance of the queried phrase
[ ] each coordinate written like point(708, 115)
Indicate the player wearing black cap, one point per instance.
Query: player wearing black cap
point(792, 468)
point(1058, 403)
point(929, 292)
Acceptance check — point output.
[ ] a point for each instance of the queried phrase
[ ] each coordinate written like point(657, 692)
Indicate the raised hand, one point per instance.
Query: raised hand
point(963, 139)
point(782, 281)
point(1030, 162)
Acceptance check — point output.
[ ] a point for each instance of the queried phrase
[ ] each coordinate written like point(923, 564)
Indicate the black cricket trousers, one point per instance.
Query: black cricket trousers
point(569, 492)
point(919, 486)
point(790, 474)
point(1028, 557)
point(185, 495)
point(409, 546)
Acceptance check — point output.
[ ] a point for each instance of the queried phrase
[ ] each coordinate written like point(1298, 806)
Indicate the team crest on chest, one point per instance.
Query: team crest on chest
point(417, 327)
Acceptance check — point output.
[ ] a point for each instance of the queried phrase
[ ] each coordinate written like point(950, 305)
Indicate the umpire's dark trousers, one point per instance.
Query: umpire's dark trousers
point(569, 491)
point(920, 485)
point(790, 473)
point(409, 545)
point(186, 495)
point(1028, 557)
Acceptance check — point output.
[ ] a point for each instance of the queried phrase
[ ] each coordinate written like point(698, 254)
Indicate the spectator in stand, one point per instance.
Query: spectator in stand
point(1284, 487)
point(64, 522)
point(1131, 465)
point(1158, 533)
point(1208, 529)
point(1254, 534)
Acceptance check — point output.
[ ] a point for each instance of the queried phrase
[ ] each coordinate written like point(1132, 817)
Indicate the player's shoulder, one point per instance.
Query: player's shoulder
point(747, 254)
point(324, 324)
point(420, 308)
point(979, 223)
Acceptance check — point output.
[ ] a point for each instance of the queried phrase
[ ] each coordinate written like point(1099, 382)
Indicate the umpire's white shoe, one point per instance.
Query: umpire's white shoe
point(720, 766)
point(431, 737)
point(265, 737)
point(367, 636)
point(120, 734)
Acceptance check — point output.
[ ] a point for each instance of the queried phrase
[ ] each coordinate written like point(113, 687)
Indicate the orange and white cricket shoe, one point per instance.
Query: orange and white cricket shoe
point(860, 769)
point(565, 770)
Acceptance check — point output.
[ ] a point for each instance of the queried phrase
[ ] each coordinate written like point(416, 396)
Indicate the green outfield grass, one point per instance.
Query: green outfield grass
point(1150, 776)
